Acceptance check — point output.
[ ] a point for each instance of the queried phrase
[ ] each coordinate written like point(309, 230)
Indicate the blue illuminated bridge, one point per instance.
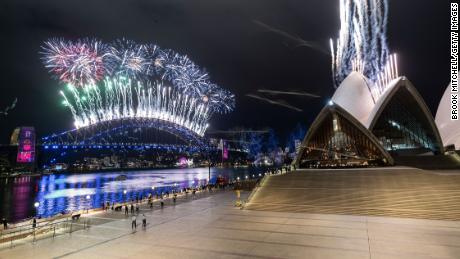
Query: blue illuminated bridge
point(135, 134)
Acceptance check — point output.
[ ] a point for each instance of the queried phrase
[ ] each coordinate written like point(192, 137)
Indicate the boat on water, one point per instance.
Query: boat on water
point(121, 177)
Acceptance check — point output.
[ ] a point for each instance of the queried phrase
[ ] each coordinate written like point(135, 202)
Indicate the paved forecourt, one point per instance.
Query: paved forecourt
point(211, 227)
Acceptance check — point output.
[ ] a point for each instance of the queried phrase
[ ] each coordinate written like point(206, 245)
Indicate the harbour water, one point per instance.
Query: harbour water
point(47, 195)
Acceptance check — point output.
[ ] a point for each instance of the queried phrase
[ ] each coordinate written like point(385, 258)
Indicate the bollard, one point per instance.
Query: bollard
point(54, 231)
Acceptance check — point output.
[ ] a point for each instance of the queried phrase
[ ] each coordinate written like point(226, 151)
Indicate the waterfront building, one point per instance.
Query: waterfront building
point(360, 128)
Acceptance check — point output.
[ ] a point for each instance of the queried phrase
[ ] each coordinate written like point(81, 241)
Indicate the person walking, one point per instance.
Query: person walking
point(126, 209)
point(133, 222)
point(5, 223)
point(132, 208)
point(144, 221)
point(137, 208)
point(34, 223)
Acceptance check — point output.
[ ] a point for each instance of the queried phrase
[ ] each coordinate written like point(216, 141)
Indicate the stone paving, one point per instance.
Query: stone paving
point(212, 227)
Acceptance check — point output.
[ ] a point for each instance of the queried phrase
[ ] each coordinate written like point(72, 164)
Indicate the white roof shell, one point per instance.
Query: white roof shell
point(355, 97)
point(449, 129)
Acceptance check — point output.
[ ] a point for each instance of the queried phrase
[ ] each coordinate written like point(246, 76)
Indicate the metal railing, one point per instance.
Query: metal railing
point(26, 233)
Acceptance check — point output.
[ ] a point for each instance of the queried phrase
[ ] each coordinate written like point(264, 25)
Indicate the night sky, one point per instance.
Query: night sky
point(221, 36)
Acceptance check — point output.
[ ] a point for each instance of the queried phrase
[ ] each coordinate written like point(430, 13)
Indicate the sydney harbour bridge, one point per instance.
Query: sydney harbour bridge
point(128, 134)
point(125, 137)
point(125, 96)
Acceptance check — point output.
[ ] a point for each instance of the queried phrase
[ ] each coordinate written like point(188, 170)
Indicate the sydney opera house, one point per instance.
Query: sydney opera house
point(358, 128)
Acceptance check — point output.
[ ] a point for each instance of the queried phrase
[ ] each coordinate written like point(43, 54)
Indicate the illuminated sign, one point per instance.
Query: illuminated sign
point(26, 145)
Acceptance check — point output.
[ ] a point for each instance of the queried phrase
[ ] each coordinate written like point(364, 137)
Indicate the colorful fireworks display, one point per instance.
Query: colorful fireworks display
point(129, 80)
point(362, 44)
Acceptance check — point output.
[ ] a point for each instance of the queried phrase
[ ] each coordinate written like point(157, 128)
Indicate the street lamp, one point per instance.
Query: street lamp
point(125, 191)
point(87, 199)
point(36, 204)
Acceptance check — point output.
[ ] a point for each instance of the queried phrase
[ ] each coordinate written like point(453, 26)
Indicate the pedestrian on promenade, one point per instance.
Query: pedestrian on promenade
point(162, 204)
point(144, 221)
point(174, 198)
point(137, 208)
point(126, 209)
point(108, 206)
point(132, 208)
point(133, 222)
point(34, 223)
point(5, 223)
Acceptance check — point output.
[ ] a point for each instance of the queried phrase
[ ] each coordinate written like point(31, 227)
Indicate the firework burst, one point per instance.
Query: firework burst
point(79, 63)
point(129, 80)
point(132, 60)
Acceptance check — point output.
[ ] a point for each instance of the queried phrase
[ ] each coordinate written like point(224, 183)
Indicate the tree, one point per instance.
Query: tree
point(272, 142)
point(254, 144)
point(298, 133)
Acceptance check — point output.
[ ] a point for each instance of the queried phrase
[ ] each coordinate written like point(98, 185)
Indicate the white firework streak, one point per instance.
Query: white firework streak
point(362, 45)
point(118, 98)
point(277, 102)
point(275, 92)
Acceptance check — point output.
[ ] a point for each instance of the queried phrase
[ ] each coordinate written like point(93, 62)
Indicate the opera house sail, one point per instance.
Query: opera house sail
point(449, 129)
point(402, 122)
point(337, 139)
